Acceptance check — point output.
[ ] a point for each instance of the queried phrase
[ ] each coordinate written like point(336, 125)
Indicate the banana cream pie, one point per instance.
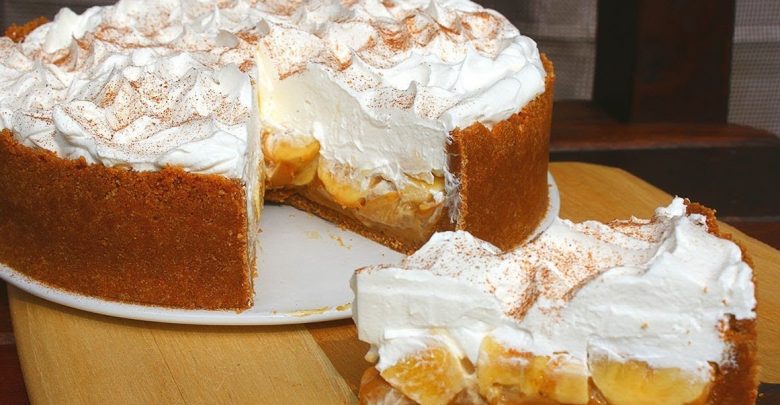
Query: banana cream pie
point(658, 311)
point(140, 140)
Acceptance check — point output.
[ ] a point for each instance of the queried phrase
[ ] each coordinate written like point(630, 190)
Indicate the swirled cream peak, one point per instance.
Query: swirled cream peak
point(152, 83)
point(659, 291)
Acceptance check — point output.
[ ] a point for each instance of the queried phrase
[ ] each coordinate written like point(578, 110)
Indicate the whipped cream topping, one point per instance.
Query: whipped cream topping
point(151, 83)
point(658, 291)
point(381, 85)
point(142, 84)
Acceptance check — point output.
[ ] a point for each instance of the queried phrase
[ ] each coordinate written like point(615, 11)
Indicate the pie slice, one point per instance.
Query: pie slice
point(658, 311)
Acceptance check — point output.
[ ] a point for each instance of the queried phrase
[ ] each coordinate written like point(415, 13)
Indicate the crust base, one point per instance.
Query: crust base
point(391, 240)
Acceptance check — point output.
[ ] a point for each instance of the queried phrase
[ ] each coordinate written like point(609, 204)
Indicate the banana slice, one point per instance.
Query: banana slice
point(290, 162)
point(341, 190)
point(636, 383)
point(431, 377)
point(503, 372)
point(302, 149)
point(420, 192)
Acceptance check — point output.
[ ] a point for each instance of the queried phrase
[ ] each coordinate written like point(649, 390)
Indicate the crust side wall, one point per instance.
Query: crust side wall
point(166, 238)
point(503, 172)
point(736, 382)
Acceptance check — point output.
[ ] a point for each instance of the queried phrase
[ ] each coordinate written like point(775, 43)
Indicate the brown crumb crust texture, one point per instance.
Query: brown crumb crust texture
point(166, 238)
point(341, 219)
point(504, 193)
point(737, 382)
point(18, 33)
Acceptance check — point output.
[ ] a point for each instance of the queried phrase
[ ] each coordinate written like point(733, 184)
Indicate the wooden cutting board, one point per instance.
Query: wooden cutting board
point(70, 356)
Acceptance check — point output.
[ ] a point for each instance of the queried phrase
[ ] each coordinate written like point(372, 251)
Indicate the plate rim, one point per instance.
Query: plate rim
point(213, 317)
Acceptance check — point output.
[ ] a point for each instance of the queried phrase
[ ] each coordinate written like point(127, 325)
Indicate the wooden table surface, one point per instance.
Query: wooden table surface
point(70, 356)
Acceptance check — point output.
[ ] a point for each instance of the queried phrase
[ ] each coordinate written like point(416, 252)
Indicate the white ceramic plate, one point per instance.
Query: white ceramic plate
point(305, 267)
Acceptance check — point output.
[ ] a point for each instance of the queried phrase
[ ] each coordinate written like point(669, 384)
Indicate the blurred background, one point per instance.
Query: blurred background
point(566, 31)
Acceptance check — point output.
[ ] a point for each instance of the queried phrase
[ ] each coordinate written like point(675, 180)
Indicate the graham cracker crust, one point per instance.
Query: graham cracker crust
point(167, 238)
point(504, 193)
point(737, 381)
point(343, 220)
